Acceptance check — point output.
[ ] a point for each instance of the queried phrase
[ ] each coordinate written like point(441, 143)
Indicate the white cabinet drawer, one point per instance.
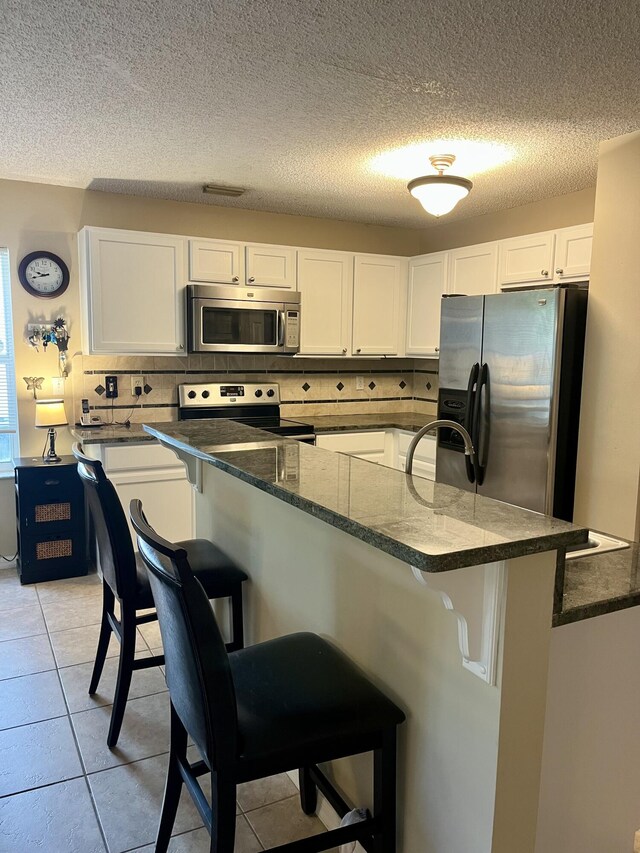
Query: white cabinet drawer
point(425, 451)
point(137, 457)
point(354, 443)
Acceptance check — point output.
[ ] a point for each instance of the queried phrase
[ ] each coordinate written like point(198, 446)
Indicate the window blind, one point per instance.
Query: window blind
point(8, 407)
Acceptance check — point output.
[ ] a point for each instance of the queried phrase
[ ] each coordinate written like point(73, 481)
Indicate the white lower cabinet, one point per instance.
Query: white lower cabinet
point(385, 447)
point(153, 474)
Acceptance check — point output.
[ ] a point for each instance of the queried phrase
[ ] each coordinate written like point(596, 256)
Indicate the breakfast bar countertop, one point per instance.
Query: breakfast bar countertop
point(431, 526)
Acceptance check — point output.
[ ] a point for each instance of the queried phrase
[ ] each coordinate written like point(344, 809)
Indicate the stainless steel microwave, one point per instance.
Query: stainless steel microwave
point(243, 320)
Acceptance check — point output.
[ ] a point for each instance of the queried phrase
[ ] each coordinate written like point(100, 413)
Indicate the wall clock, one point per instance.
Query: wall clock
point(43, 274)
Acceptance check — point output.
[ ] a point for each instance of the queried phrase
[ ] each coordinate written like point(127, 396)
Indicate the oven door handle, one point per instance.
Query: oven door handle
point(281, 324)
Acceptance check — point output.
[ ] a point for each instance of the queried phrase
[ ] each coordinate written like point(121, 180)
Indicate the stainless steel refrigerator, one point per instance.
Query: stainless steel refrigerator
point(511, 373)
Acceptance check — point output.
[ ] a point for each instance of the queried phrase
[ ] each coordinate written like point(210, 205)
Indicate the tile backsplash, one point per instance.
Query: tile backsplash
point(308, 386)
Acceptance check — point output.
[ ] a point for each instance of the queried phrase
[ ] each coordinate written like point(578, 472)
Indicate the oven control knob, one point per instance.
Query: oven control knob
point(270, 392)
point(191, 395)
point(205, 394)
point(258, 393)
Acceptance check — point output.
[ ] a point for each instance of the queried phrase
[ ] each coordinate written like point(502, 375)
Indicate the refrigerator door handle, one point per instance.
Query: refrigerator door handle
point(479, 436)
point(468, 417)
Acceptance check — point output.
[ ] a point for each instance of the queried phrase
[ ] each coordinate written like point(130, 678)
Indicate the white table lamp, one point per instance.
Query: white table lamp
point(50, 414)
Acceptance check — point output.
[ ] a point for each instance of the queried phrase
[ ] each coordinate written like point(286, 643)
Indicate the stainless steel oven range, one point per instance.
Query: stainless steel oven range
point(256, 404)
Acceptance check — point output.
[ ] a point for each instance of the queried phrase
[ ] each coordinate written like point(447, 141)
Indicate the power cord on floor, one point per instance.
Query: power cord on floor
point(8, 559)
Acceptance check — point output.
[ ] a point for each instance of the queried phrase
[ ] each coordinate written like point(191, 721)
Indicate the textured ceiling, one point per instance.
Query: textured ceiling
point(293, 99)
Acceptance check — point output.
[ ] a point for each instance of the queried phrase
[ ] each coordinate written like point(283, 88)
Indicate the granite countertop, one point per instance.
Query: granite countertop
point(111, 434)
point(411, 421)
point(429, 525)
point(598, 584)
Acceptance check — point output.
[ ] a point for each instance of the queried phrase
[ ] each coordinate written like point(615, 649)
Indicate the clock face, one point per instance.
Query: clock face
point(43, 274)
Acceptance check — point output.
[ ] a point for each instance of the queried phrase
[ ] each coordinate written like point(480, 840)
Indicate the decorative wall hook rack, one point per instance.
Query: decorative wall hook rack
point(43, 334)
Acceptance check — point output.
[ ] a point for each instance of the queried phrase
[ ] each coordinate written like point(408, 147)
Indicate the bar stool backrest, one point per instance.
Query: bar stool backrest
point(197, 665)
point(115, 549)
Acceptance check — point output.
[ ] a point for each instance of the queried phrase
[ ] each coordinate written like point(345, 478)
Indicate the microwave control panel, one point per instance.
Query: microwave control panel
point(292, 336)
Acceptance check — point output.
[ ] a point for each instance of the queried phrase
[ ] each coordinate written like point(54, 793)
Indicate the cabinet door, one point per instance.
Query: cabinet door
point(427, 282)
point(133, 292)
point(167, 498)
point(473, 270)
point(527, 259)
point(377, 293)
point(271, 266)
point(573, 252)
point(325, 282)
point(216, 261)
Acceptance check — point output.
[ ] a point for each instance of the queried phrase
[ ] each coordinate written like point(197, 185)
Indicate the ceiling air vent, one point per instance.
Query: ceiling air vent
point(215, 189)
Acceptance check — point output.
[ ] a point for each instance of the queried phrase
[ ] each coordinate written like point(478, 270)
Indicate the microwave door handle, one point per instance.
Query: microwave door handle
point(281, 324)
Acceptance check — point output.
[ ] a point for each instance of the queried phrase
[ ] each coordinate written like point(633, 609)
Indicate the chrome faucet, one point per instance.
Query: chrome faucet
point(435, 425)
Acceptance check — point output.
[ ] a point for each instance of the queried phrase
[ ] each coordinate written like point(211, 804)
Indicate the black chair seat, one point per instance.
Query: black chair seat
point(299, 690)
point(211, 566)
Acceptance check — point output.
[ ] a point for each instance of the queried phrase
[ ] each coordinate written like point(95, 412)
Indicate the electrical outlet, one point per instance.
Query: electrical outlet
point(57, 386)
point(359, 383)
point(137, 382)
point(111, 385)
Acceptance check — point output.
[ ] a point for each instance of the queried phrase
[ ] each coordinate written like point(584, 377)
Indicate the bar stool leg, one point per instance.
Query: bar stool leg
point(237, 626)
point(125, 671)
point(108, 601)
point(173, 785)
point(223, 816)
point(384, 793)
point(308, 791)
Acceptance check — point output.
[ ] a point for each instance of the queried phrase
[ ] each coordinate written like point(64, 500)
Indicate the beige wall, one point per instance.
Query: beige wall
point(609, 450)
point(559, 212)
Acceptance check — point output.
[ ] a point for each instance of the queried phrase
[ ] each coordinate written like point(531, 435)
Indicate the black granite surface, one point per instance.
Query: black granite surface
point(411, 421)
point(599, 584)
point(111, 434)
point(429, 525)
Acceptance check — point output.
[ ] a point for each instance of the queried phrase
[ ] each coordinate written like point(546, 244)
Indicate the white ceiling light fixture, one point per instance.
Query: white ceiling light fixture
point(440, 193)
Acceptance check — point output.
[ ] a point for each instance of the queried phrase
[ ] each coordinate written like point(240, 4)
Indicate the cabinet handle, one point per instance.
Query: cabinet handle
point(180, 346)
point(437, 349)
point(544, 272)
point(252, 279)
point(236, 278)
point(344, 350)
point(359, 349)
point(559, 271)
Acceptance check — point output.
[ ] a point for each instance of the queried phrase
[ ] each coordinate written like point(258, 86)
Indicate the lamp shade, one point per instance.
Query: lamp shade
point(50, 413)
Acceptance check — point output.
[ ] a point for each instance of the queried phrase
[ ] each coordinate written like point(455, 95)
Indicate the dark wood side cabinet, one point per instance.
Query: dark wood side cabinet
point(50, 516)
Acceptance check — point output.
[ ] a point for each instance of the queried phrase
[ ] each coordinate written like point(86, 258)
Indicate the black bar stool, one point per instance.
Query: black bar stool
point(293, 702)
point(124, 578)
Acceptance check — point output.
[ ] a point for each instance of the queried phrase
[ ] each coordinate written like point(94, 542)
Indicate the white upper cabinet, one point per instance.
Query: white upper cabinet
point(216, 261)
point(378, 298)
point(270, 266)
point(254, 265)
point(132, 292)
point(473, 270)
point(325, 282)
point(428, 281)
point(573, 253)
point(527, 259)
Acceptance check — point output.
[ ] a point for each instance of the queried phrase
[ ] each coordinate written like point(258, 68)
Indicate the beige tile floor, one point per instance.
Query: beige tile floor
point(61, 789)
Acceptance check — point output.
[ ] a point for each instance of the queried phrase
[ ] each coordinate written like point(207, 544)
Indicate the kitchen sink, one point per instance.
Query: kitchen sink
point(598, 543)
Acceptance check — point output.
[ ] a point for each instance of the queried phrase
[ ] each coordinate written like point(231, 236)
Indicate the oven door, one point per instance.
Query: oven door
point(225, 325)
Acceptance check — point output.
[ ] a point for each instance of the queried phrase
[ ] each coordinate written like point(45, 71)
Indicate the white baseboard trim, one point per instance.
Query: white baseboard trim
point(325, 811)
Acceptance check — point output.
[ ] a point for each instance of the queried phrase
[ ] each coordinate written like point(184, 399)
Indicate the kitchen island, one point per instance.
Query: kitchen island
point(444, 598)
